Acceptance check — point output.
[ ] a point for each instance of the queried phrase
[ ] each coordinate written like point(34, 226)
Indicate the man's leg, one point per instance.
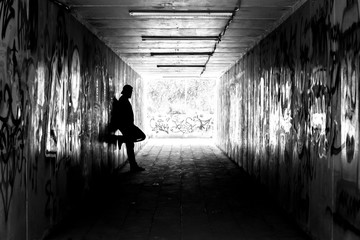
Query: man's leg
point(131, 157)
point(131, 154)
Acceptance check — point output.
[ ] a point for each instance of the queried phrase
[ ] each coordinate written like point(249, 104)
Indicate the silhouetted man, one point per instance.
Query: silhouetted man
point(123, 119)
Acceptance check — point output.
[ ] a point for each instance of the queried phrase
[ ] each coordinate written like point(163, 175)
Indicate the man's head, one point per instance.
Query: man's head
point(127, 91)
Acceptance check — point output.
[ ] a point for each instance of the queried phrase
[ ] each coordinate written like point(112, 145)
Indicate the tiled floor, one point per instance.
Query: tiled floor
point(190, 190)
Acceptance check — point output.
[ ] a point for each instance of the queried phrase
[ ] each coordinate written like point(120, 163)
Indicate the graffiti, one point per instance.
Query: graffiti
point(12, 147)
point(57, 94)
point(62, 42)
point(320, 26)
point(74, 118)
point(336, 149)
point(349, 115)
point(181, 124)
point(51, 144)
point(37, 102)
point(12, 162)
point(7, 12)
point(75, 79)
point(287, 43)
point(27, 25)
point(203, 124)
point(47, 109)
point(309, 105)
point(318, 102)
point(159, 125)
point(14, 119)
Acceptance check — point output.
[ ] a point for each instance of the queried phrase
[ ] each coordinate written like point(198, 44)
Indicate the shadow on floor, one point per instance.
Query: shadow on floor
point(189, 190)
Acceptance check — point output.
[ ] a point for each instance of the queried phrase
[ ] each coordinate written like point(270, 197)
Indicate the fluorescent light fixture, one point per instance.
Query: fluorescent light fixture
point(181, 13)
point(180, 66)
point(182, 76)
point(180, 38)
point(181, 53)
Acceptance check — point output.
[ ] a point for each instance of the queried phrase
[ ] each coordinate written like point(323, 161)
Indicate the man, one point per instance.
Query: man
point(123, 119)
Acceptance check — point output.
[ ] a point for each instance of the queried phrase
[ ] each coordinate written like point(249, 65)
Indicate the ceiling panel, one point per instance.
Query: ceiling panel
point(179, 23)
point(111, 22)
point(156, 3)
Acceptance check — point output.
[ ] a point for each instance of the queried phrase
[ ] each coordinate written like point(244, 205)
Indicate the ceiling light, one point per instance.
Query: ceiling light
point(180, 38)
point(180, 66)
point(181, 53)
point(182, 76)
point(181, 13)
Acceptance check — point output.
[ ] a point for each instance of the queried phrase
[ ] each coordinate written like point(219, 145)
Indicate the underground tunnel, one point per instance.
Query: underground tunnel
point(250, 110)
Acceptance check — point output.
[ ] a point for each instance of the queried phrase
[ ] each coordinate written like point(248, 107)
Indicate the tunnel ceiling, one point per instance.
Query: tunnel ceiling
point(190, 38)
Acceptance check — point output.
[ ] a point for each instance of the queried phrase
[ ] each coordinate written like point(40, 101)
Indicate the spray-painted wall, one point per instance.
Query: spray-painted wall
point(56, 85)
point(288, 113)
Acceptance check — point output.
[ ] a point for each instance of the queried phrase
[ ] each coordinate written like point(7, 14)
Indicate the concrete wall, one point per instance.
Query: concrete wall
point(288, 113)
point(56, 85)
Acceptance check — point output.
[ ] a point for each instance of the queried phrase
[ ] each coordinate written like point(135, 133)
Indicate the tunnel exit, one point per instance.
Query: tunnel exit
point(180, 108)
point(271, 86)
